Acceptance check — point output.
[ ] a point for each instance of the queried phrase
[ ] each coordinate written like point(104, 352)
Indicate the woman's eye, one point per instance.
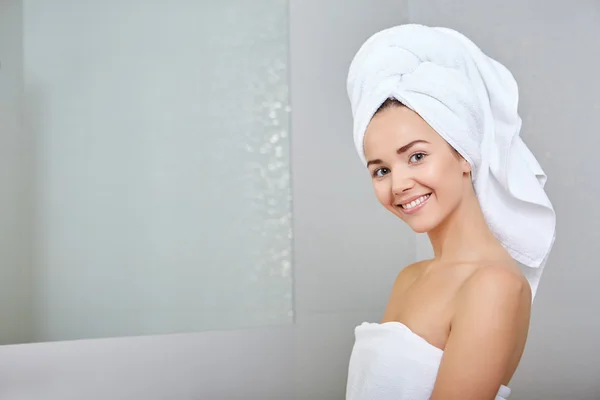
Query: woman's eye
point(379, 172)
point(415, 158)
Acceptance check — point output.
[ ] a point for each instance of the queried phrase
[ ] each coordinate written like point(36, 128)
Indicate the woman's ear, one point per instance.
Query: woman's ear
point(464, 164)
point(466, 167)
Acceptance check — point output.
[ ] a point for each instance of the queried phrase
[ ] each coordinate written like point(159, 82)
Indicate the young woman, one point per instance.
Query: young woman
point(437, 127)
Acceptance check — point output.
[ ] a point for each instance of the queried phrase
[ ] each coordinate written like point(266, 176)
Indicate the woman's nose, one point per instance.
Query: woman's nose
point(402, 183)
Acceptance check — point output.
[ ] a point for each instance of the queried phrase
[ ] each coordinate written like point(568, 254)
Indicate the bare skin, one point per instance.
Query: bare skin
point(471, 300)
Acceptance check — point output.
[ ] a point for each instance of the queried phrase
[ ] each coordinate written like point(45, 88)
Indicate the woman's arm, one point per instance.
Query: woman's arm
point(487, 336)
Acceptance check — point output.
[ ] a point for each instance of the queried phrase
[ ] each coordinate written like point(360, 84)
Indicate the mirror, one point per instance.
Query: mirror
point(145, 171)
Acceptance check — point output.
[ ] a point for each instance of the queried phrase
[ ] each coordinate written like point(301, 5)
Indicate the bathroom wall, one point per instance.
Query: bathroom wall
point(15, 183)
point(342, 275)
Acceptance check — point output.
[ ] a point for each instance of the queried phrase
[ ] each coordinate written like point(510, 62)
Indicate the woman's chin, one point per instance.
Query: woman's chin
point(420, 229)
point(421, 226)
point(418, 223)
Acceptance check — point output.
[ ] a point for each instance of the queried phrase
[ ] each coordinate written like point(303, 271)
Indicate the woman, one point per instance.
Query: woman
point(436, 124)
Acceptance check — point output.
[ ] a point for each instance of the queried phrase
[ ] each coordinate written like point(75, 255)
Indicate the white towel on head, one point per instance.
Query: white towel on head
point(471, 101)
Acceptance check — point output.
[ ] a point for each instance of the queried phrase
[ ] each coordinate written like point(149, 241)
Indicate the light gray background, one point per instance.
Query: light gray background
point(347, 250)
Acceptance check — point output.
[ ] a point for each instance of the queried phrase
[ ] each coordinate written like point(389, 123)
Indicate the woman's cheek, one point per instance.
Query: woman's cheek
point(383, 193)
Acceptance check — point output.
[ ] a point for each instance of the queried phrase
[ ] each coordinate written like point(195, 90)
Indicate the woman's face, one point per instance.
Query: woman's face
point(416, 174)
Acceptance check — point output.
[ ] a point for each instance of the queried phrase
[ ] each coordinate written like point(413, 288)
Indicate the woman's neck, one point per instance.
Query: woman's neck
point(464, 236)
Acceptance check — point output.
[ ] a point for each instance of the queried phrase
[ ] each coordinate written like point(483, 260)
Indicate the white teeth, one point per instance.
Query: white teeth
point(415, 203)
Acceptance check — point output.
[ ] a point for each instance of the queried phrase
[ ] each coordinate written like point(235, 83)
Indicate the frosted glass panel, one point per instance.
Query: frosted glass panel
point(162, 192)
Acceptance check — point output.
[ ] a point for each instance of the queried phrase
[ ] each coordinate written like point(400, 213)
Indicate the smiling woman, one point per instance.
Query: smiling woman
point(413, 166)
point(455, 326)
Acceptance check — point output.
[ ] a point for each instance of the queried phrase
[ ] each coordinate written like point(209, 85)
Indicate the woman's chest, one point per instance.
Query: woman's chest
point(427, 306)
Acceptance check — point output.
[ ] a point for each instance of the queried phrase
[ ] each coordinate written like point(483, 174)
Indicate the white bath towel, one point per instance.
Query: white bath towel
point(471, 101)
point(390, 362)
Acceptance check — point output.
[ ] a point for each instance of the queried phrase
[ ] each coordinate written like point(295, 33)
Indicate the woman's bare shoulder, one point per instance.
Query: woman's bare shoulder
point(409, 274)
point(502, 283)
point(505, 277)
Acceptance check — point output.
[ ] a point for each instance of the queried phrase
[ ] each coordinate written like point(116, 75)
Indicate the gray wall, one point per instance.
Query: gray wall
point(345, 259)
